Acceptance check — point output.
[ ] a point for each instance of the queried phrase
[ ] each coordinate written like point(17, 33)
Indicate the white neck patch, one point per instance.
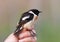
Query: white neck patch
point(31, 12)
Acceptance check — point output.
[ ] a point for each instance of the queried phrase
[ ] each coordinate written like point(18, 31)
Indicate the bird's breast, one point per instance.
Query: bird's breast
point(29, 25)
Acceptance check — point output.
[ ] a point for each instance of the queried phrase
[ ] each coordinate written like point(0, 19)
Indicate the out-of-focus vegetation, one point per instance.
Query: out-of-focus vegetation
point(48, 25)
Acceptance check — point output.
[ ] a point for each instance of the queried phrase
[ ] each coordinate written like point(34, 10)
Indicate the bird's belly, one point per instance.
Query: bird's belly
point(29, 25)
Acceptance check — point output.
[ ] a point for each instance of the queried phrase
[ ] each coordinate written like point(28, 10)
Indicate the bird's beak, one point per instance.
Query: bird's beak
point(40, 11)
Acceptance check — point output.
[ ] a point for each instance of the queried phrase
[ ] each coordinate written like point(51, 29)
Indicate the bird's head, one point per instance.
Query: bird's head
point(34, 11)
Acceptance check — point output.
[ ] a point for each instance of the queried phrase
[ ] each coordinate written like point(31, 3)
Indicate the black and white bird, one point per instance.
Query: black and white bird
point(27, 20)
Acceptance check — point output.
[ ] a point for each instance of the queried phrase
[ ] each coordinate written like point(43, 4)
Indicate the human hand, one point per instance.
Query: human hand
point(24, 37)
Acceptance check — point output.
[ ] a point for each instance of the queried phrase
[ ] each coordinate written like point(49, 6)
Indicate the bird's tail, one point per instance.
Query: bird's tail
point(18, 30)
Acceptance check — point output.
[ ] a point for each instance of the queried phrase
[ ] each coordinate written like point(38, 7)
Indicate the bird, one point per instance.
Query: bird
point(26, 21)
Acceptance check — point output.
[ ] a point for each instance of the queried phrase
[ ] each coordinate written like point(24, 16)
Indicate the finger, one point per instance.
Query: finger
point(28, 39)
point(34, 31)
point(35, 38)
point(11, 38)
point(25, 34)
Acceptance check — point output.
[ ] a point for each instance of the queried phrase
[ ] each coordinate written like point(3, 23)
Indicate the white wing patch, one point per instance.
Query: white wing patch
point(25, 17)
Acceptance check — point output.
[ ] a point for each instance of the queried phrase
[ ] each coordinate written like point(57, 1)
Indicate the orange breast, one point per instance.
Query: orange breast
point(35, 18)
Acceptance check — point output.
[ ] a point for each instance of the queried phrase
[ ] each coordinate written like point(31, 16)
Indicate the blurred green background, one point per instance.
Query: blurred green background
point(48, 23)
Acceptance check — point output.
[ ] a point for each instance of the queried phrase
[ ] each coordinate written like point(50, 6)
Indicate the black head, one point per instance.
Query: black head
point(35, 11)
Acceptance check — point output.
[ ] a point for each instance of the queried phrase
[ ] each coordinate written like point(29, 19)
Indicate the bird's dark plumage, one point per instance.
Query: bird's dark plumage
point(35, 11)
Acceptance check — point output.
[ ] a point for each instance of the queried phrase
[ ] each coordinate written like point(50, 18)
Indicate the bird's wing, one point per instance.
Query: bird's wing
point(19, 28)
point(26, 16)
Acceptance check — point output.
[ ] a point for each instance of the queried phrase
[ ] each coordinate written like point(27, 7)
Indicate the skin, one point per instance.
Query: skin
point(23, 37)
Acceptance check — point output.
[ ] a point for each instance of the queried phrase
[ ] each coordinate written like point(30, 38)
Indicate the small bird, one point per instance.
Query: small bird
point(26, 21)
